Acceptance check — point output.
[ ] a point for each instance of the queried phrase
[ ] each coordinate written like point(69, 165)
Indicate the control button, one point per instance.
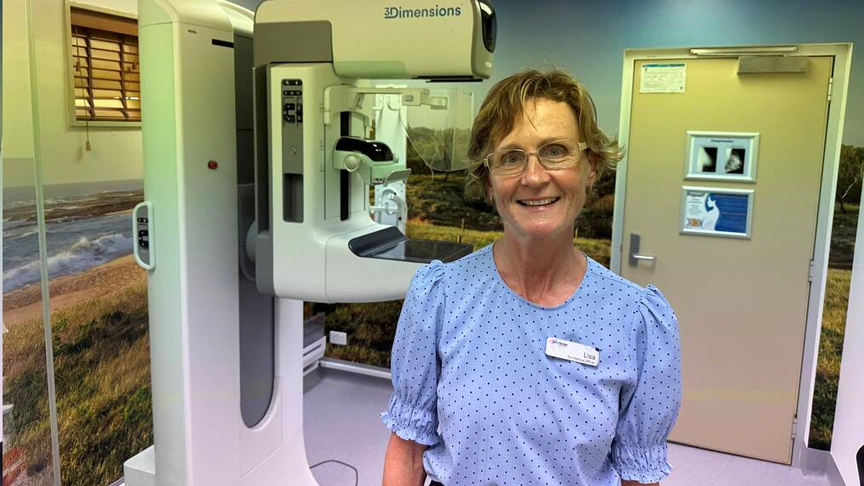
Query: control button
point(285, 92)
point(143, 239)
point(299, 118)
point(290, 106)
point(352, 163)
point(290, 118)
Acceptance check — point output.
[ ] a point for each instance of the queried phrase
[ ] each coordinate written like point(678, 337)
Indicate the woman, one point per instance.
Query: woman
point(527, 362)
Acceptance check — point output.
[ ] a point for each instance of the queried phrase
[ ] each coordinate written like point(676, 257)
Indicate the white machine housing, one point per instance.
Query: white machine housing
point(226, 360)
point(189, 58)
point(443, 39)
point(314, 230)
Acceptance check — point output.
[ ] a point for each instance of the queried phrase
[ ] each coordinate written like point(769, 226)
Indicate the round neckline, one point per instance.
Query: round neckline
point(588, 264)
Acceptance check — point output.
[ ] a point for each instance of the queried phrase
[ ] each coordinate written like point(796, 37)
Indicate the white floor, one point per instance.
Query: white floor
point(341, 422)
point(707, 468)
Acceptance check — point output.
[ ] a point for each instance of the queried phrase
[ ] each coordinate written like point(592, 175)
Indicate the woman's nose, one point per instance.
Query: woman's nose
point(534, 172)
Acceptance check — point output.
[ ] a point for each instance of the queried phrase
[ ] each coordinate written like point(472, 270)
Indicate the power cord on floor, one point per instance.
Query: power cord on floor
point(356, 474)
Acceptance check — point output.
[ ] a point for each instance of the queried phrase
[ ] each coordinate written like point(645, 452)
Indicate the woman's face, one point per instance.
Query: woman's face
point(559, 193)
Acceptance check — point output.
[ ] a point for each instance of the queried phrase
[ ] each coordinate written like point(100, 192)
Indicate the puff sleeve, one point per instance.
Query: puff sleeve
point(649, 408)
point(412, 412)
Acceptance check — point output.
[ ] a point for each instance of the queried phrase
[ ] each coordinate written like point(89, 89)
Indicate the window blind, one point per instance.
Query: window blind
point(105, 67)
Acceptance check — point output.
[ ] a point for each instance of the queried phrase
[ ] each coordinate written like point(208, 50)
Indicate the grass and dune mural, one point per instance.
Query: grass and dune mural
point(98, 299)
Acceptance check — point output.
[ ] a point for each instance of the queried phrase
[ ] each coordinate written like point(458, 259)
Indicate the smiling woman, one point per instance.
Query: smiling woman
point(528, 352)
point(540, 196)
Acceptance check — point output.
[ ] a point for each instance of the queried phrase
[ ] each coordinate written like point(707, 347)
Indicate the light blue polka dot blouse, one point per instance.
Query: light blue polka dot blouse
point(472, 380)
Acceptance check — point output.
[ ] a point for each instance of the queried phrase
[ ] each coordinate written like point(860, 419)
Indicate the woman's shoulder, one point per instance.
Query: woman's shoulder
point(468, 265)
point(483, 257)
point(610, 283)
point(648, 298)
point(437, 272)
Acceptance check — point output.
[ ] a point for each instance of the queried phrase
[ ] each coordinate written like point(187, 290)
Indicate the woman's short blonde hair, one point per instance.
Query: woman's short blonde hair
point(505, 104)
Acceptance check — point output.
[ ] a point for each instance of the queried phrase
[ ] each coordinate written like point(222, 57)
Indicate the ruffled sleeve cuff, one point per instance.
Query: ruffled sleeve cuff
point(643, 464)
point(411, 423)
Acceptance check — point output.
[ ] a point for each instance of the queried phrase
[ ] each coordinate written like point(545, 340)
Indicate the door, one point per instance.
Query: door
point(739, 285)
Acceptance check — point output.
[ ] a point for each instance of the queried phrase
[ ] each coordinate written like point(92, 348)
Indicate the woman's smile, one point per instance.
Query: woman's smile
point(537, 204)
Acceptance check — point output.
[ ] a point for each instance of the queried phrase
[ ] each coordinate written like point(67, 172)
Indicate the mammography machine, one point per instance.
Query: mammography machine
point(255, 151)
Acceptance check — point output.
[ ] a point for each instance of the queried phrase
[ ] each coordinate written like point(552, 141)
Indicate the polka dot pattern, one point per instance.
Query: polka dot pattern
point(472, 381)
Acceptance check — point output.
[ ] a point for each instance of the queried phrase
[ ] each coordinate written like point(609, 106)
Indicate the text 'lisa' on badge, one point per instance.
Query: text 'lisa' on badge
point(580, 353)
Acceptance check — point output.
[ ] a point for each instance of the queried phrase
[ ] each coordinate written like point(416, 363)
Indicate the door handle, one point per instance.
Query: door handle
point(635, 256)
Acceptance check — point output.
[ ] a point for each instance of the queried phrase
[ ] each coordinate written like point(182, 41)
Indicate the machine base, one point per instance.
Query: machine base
point(287, 465)
point(141, 469)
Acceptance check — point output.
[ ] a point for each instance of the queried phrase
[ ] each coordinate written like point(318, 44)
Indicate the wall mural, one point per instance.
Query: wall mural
point(98, 298)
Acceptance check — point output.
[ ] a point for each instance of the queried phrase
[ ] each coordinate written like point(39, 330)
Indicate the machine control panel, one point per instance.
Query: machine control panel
point(292, 149)
point(142, 231)
point(292, 100)
point(143, 234)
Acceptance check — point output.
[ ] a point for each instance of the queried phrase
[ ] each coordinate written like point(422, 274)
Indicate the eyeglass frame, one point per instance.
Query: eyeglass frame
point(582, 147)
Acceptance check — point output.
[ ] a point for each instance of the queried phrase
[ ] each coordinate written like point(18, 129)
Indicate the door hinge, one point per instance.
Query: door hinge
point(810, 273)
point(794, 426)
point(830, 88)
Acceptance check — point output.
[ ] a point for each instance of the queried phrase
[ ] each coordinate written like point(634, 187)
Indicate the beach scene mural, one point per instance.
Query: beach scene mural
point(98, 301)
point(83, 232)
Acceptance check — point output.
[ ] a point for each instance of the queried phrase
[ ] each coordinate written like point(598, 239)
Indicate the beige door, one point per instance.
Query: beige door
point(741, 302)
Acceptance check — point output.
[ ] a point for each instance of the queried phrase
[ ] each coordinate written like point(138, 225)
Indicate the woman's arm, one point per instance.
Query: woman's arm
point(648, 410)
point(403, 463)
point(625, 482)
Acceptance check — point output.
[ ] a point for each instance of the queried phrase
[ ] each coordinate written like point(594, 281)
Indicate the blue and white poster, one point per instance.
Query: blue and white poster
point(717, 212)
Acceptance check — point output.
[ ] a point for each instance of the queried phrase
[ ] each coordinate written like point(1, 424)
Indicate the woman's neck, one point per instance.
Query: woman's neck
point(546, 271)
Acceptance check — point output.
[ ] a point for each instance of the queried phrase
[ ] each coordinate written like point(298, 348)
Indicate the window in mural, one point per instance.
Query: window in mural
point(105, 67)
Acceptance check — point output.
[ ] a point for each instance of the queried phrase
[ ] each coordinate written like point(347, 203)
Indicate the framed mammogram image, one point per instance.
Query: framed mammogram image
point(722, 156)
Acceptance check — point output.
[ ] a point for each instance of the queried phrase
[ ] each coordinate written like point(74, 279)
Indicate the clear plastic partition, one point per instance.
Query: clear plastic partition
point(439, 133)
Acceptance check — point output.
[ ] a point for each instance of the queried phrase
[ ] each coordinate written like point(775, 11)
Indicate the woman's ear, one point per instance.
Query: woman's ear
point(489, 197)
point(594, 168)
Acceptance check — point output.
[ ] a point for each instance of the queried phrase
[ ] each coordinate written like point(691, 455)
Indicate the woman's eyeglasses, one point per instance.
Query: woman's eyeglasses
point(561, 154)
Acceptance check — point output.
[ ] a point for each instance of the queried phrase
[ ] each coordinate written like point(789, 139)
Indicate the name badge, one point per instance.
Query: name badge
point(580, 353)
